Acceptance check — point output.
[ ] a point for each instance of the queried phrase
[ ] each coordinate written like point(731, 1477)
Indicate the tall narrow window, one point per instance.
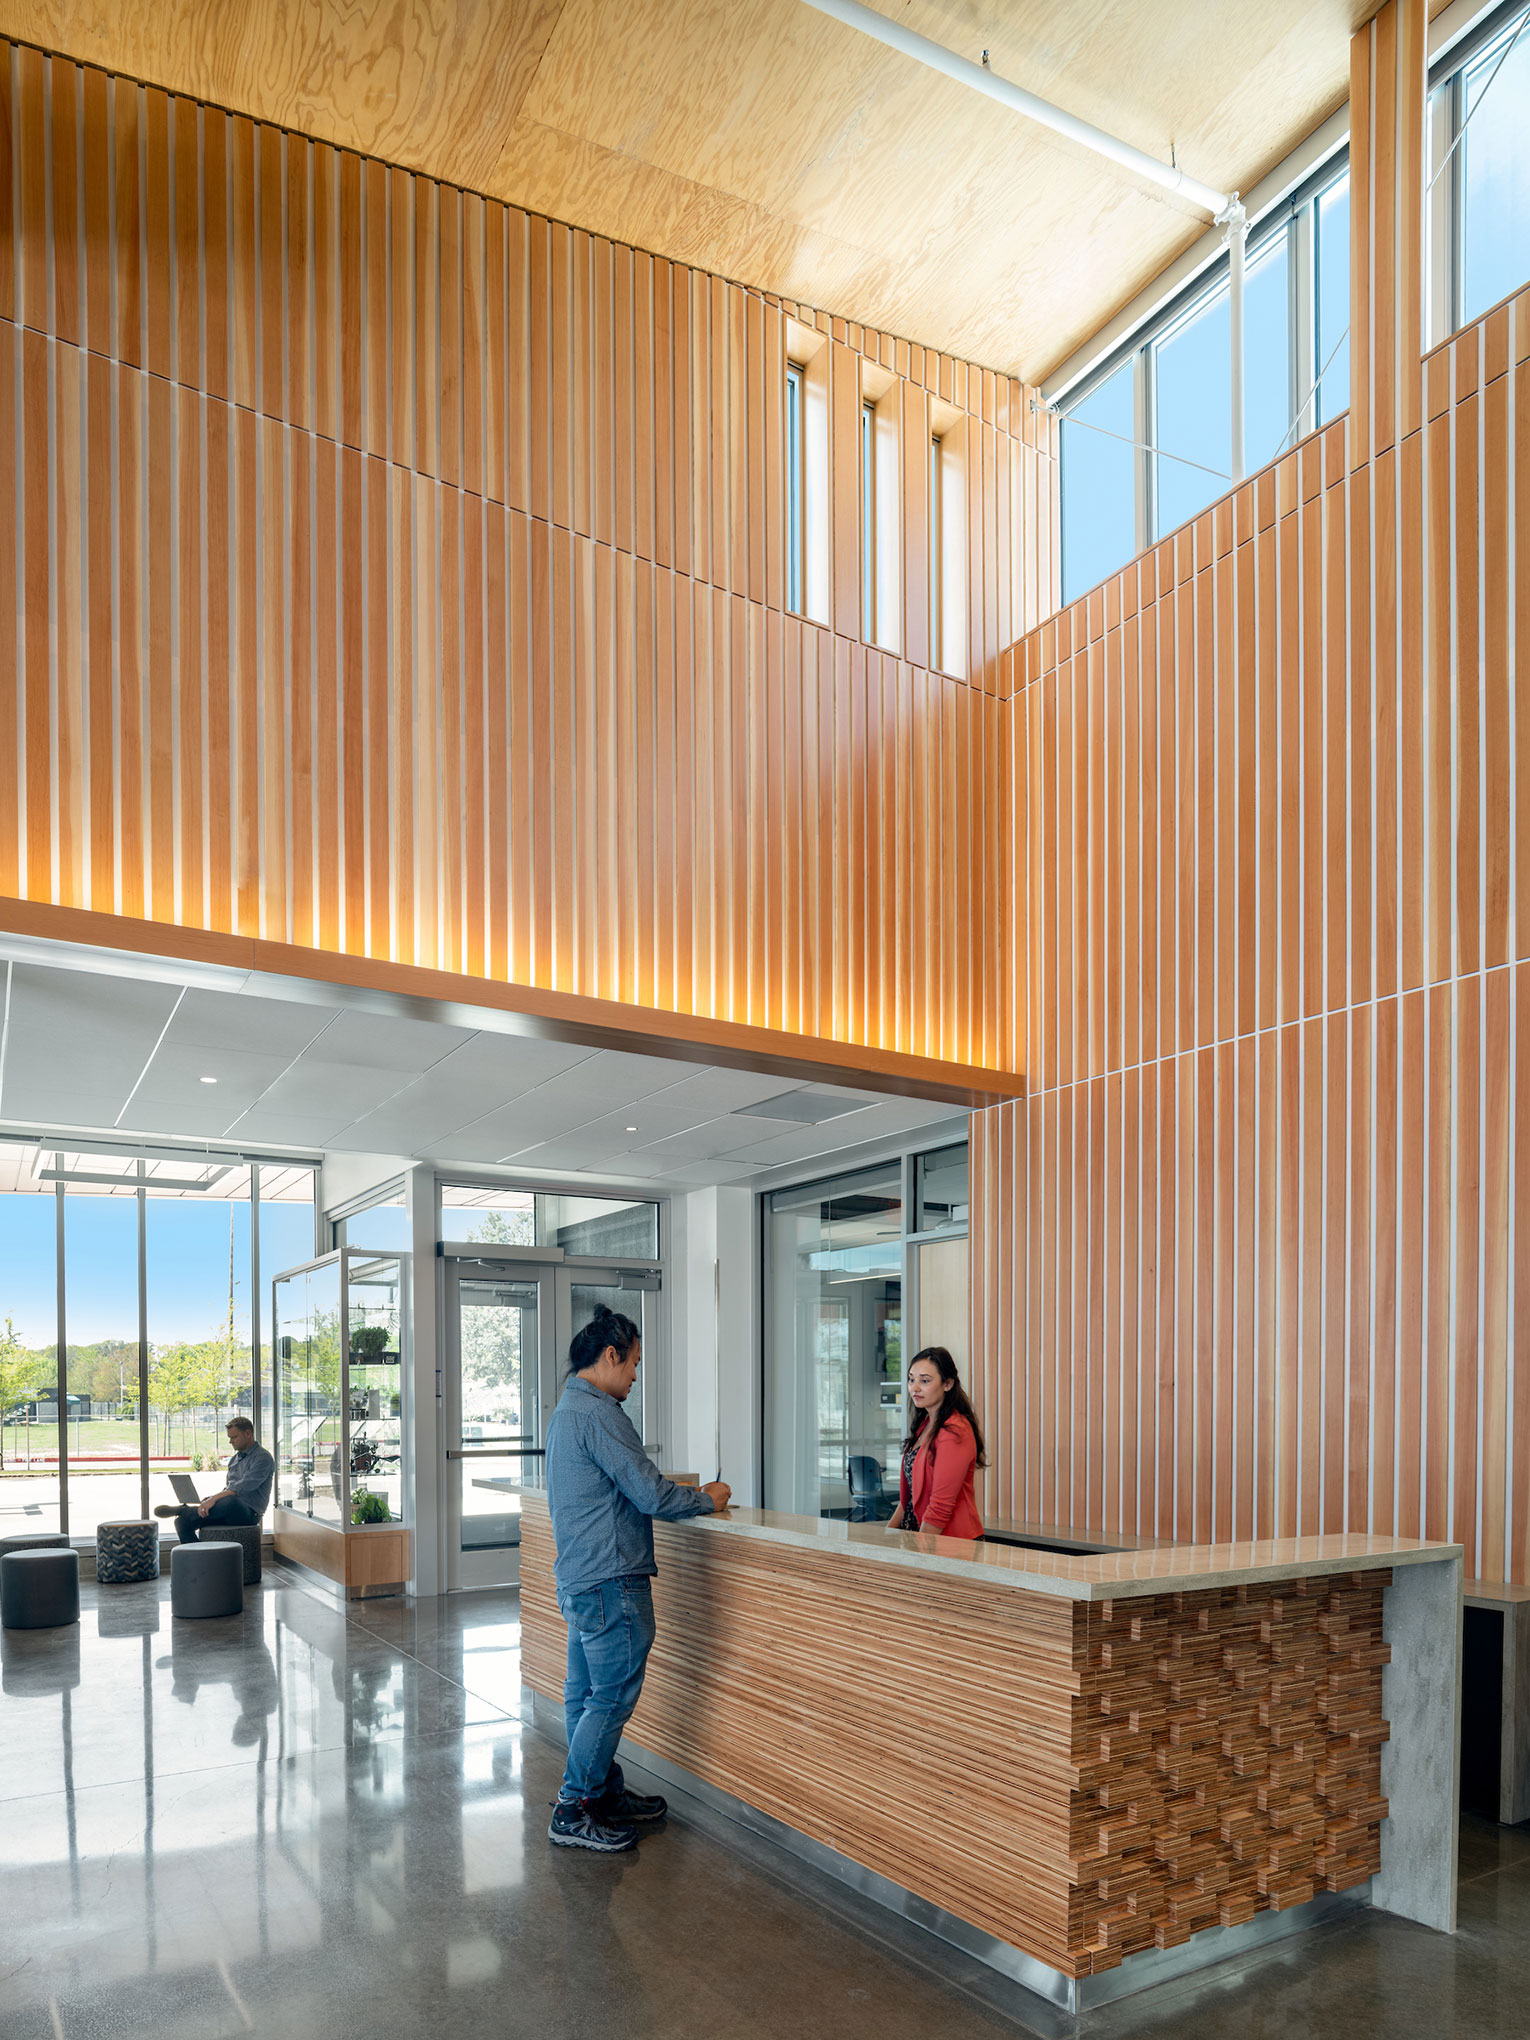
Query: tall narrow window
point(796, 480)
point(1495, 171)
point(1479, 248)
point(937, 561)
point(869, 522)
point(1099, 501)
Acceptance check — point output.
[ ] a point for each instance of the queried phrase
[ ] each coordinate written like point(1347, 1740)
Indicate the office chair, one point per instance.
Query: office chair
point(868, 1495)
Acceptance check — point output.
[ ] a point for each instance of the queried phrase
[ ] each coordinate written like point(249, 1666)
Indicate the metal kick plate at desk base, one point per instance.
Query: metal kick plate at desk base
point(691, 1797)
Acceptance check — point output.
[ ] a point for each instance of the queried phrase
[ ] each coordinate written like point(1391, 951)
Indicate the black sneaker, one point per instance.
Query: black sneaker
point(580, 1824)
point(629, 1809)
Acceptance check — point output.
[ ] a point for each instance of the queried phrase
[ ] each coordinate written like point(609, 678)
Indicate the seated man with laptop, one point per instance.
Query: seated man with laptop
point(243, 1500)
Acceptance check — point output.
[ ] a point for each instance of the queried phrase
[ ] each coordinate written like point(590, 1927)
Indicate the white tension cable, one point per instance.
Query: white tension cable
point(1225, 207)
point(919, 47)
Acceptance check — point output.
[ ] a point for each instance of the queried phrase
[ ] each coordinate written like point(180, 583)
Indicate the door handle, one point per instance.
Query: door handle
point(510, 1452)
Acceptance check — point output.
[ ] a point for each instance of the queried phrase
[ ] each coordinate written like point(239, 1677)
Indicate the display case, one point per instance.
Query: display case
point(338, 1391)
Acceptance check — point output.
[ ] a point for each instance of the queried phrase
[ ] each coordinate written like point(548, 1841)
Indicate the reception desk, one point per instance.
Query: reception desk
point(1092, 1770)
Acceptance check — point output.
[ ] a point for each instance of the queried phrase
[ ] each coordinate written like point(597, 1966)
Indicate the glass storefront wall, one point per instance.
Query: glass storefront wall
point(834, 1345)
point(148, 1265)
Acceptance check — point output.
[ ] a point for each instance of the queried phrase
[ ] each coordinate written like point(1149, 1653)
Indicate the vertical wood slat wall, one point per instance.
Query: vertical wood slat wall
point(1253, 1257)
point(402, 574)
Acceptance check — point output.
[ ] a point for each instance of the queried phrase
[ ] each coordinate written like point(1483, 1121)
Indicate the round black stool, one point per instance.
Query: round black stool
point(39, 1589)
point(33, 1540)
point(206, 1580)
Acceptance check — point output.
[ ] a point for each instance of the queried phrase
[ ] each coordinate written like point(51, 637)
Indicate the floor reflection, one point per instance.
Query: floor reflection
point(281, 1809)
point(313, 1821)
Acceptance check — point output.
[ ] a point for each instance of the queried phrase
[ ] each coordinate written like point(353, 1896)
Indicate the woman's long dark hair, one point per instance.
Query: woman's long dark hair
point(954, 1405)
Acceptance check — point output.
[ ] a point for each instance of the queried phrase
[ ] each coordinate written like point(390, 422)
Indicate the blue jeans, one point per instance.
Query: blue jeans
point(610, 1633)
point(229, 1510)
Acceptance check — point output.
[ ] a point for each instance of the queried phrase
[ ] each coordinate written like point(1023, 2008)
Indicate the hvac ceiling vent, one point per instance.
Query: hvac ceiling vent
point(803, 1108)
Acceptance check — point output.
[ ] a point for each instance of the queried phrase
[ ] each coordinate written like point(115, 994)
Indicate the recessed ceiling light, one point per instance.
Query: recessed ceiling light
point(209, 1080)
point(632, 1129)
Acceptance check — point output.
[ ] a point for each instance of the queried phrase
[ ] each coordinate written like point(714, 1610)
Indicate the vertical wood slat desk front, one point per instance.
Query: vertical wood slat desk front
point(1091, 1771)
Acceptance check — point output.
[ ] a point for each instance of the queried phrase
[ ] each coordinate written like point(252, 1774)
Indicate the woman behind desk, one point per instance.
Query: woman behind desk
point(941, 1453)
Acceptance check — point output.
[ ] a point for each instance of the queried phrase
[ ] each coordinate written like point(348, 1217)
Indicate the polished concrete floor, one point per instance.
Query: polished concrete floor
point(309, 1822)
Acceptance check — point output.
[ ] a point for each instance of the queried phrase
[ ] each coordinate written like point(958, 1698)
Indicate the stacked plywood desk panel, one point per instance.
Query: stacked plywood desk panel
point(1083, 1759)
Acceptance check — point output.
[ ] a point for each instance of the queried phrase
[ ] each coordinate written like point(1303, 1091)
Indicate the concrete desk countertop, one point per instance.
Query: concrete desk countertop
point(1184, 1749)
point(1083, 1575)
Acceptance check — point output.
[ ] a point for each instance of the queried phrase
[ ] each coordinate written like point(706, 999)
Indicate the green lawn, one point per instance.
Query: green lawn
point(115, 1437)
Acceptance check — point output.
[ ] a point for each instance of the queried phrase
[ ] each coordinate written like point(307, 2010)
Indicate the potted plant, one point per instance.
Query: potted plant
point(369, 1343)
point(369, 1508)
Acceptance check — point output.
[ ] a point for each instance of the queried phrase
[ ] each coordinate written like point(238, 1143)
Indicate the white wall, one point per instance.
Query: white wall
point(425, 1469)
point(714, 1287)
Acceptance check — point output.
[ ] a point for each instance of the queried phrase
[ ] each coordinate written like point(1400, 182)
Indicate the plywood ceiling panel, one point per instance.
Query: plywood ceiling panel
point(761, 140)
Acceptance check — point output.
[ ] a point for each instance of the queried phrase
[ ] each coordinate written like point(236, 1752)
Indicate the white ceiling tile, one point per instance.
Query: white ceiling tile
point(299, 1129)
point(176, 1072)
point(805, 1145)
point(467, 1147)
point(463, 1087)
point(697, 1175)
point(74, 1035)
point(720, 1091)
point(506, 1065)
point(59, 1101)
point(332, 1089)
point(610, 1079)
point(188, 1119)
point(378, 1042)
point(236, 1020)
point(700, 1143)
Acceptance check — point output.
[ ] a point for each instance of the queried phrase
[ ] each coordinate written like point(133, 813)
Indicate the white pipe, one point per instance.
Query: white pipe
point(1019, 100)
point(1237, 236)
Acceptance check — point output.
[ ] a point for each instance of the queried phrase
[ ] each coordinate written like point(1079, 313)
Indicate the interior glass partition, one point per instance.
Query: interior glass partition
point(338, 1388)
point(834, 1344)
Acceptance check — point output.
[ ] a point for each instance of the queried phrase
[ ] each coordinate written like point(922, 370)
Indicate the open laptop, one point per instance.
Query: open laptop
point(185, 1489)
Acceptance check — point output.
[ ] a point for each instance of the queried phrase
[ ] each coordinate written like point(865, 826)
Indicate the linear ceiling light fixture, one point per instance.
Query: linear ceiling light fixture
point(1225, 207)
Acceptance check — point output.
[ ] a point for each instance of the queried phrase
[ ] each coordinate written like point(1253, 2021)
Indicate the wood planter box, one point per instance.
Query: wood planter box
point(368, 1559)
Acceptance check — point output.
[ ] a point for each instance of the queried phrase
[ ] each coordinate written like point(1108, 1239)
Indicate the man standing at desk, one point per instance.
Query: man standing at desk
point(603, 1492)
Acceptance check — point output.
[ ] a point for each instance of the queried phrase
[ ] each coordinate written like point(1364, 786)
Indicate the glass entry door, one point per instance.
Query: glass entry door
point(582, 1292)
point(500, 1370)
point(509, 1323)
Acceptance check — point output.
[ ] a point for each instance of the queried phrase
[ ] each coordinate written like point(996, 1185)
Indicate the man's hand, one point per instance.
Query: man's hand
point(203, 1507)
point(720, 1492)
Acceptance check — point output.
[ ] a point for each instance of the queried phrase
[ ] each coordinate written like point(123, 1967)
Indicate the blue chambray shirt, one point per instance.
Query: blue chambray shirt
point(249, 1475)
point(603, 1491)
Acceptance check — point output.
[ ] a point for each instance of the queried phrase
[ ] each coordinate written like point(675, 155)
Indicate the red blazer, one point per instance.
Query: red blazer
point(943, 1498)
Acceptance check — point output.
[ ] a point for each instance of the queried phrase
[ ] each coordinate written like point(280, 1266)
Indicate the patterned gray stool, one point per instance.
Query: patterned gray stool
point(39, 1589)
point(246, 1534)
point(33, 1540)
point(126, 1552)
point(206, 1579)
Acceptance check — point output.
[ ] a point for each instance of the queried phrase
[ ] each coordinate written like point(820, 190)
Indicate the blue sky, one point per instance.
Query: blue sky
point(188, 1265)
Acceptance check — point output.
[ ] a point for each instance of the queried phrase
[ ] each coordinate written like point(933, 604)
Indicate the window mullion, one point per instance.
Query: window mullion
point(1305, 304)
point(1147, 479)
